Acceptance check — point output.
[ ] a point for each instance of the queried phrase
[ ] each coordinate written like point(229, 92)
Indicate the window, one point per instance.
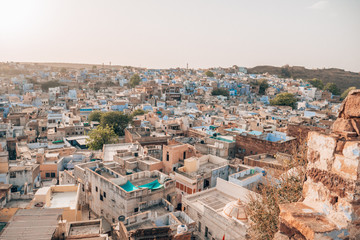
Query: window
point(136, 209)
point(167, 156)
point(206, 231)
point(184, 155)
point(12, 174)
point(199, 227)
point(96, 189)
point(52, 175)
point(47, 174)
point(101, 198)
point(104, 194)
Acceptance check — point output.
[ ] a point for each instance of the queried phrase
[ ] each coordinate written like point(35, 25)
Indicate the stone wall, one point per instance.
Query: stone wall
point(331, 205)
point(248, 145)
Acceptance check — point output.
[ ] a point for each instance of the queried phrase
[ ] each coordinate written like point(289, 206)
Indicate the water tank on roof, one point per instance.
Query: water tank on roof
point(181, 229)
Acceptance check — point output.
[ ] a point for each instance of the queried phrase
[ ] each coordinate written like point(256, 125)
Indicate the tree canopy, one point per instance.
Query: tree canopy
point(346, 92)
point(284, 99)
point(317, 83)
point(135, 80)
point(263, 85)
point(100, 136)
point(116, 120)
point(95, 116)
point(209, 73)
point(138, 112)
point(220, 91)
point(50, 84)
point(285, 72)
point(331, 87)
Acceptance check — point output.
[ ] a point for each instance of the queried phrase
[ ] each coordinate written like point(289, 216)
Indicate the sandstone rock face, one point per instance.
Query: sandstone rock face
point(321, 150)
point(343, 125)
point(331, 206)
point(351, 105)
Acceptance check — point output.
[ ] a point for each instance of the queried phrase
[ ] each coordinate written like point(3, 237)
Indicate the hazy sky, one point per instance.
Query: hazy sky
point(171, 33)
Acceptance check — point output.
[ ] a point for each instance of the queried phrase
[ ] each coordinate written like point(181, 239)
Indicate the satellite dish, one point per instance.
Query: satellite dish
point(121, 218)
point(54, 181)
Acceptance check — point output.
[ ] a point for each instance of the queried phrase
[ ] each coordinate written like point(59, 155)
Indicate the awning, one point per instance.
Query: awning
point(152, 185)
point(128, 186)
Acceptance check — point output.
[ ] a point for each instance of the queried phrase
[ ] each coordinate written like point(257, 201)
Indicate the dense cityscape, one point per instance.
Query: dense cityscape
point(110, 152)
point(179, 120)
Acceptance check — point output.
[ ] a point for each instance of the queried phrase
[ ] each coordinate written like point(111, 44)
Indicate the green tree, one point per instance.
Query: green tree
point(285, 72)
point(284, 99)
point(138, 112)
point(346, 92)
point(100, 136)
point(263, 85)
point(220, 91)
point(135, 80)
point(317, 83)
point(209, 73)
point(116, 120)
point(331, 87)
point(50, 84)
point(95, 116)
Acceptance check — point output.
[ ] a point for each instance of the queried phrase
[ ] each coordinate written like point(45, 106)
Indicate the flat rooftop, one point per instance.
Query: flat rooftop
point(264, 158)
point(21, 203)
point(106, 174)
point(159, 209)
point(145, 224)
point(142, 181)
point(213, 199)
point(111, 149)
point(203, 169)
point(63, 200)
point(247, 176)
point(85, 228)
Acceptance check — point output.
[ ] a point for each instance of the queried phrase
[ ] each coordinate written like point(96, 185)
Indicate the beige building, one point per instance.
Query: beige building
point(65, 197)
point(199, 173)
point(174, 155)
point(111, 193)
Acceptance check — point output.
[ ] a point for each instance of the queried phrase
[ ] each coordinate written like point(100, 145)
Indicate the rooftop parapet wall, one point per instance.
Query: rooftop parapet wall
point(332, 188)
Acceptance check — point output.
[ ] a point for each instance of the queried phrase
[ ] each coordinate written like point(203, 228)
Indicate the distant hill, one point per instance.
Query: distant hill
point(343, 79)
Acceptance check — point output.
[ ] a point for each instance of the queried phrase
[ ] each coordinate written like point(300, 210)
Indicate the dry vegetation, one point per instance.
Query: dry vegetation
point(263, 211)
